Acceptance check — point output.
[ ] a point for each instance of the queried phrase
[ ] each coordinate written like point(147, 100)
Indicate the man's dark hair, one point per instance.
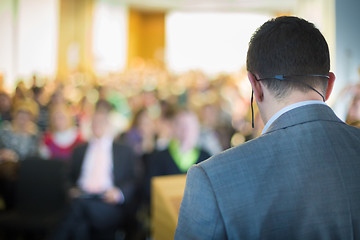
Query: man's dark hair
point(289, 46)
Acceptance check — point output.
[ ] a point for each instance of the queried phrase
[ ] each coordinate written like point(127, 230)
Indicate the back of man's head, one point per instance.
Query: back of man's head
point(289, 46)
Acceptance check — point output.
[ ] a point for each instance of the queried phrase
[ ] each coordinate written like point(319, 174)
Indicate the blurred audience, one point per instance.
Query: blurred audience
point(139, 107)
point(63, 136)
point(83, 115)
point(164, 126)
point(182, 151)
point(182, 130)
point(19, 138)
point(58, 96)
point(141, 135)
point(102, 177)
point(18, 141)
point(20, 93)
point(208, 139)
point(42, 120)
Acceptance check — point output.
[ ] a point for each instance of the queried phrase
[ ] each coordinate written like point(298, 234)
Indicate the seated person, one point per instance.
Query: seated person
point(18, 141)
point(63, 136)
point(20, 136)
point(102, 176)
point(182, 151)
point(141, 134)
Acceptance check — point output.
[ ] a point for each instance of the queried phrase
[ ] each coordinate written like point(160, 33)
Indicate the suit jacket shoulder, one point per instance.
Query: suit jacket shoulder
point(297, 181)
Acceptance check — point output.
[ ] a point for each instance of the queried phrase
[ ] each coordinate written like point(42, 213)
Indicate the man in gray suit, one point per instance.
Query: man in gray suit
point(301, 178)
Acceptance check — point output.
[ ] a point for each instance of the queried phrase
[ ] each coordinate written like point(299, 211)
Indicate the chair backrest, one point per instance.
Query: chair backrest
point(42, 186)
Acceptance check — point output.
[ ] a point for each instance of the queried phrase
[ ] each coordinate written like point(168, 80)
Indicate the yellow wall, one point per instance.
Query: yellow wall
point(75, 32)
point(146, 34)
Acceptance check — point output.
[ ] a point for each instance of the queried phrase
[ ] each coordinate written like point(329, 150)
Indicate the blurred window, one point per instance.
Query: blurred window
point(211, 42)
point(109, 37)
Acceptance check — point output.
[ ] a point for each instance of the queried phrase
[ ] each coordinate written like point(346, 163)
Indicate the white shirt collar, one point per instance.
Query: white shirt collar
point(106, 140)
point(286, 109)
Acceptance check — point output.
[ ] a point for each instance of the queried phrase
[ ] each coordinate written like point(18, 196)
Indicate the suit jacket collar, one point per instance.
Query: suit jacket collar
point(308, 113)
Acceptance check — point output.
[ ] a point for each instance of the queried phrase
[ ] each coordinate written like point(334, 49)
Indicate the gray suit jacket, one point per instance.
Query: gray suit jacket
point(300, 180)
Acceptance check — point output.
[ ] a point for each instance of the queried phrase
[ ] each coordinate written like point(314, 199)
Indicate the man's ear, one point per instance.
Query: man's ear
point(330, 85)
point(257, 87)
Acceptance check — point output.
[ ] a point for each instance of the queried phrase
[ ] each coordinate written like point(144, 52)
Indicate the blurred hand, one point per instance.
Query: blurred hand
point(74, 192)
point(8, 155)
point(113, 196)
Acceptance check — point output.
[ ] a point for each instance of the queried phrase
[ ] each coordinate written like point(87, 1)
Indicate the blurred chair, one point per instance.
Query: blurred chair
point(41, 198)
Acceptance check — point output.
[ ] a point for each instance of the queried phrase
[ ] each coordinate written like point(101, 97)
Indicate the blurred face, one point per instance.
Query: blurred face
point(60, 121)
point(145, 124)
point(165, 128)
point(57, 98)
point(187, 129)
point(99, 125)
point(5, 103)
point(22, 119)
point(209, 115)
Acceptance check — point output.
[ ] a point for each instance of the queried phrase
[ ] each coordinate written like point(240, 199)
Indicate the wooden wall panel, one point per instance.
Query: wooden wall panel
point(75, 37)
point(146, 37)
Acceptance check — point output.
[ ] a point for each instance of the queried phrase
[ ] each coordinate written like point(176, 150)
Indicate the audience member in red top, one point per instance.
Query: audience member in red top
point(63, 137)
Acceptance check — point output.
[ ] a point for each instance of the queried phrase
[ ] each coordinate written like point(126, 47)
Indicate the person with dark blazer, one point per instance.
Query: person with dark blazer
point(102, 179)
point(300, 178)
point(182, 151)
